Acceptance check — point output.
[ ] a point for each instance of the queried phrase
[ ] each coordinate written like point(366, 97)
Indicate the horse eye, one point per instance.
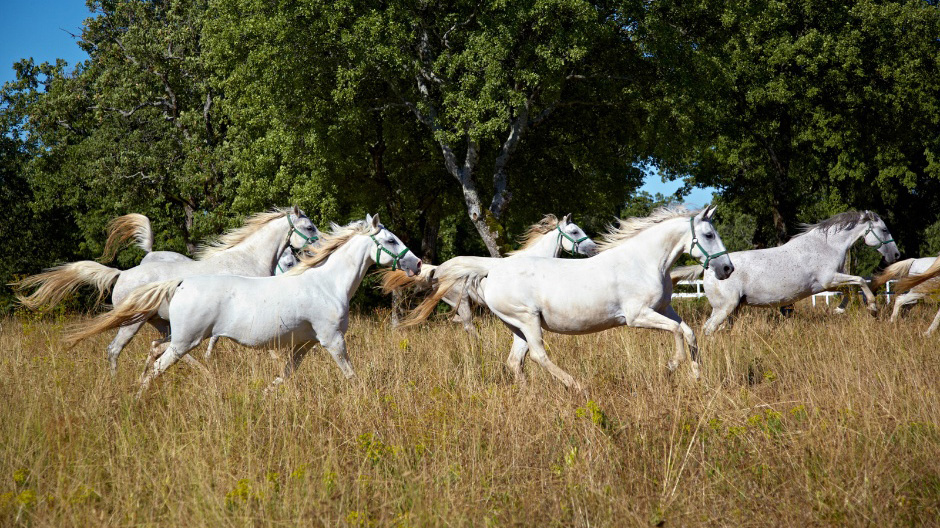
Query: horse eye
point(709, 235)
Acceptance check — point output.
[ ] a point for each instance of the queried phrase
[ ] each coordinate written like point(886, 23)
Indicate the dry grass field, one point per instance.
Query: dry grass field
point(814, 419)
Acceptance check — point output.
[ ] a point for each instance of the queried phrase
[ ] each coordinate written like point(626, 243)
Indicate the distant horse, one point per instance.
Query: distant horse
point(307, 305)
point(252, 250)
point(547, 238)
point(899, 270)
point(627, 283)
point(924, 284)
point(809, 263)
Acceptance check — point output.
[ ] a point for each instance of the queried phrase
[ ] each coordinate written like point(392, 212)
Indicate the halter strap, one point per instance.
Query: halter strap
point(695, 243)
point(308, 240)
point(871, 229)
point(395, 258)
point(574, 243)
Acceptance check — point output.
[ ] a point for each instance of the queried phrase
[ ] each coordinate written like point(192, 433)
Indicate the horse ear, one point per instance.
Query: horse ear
point(710, 211)
point(296, 210)
point(374, 220)
point(567, 219)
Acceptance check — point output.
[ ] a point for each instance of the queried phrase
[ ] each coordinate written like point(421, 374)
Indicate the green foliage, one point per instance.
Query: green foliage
point(461, 123)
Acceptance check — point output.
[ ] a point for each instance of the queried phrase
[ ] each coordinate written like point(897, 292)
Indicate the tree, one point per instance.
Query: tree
point(796, 111)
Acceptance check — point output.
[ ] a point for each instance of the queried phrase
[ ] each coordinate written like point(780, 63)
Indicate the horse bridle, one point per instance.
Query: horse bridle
point(395, 258)
point(695, 242)
point(871, 229)
point(574, 243)
point(308, 240)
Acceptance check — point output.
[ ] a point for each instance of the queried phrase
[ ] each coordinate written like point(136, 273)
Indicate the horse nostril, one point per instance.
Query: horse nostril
point(728, 269)
point(897, 256)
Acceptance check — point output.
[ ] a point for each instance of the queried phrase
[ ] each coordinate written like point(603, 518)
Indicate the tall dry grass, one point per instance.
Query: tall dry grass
point(811, 420)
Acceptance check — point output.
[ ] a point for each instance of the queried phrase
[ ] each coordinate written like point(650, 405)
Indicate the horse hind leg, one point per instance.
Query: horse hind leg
point(517, 354)
point(533, 336)
point(124, 335)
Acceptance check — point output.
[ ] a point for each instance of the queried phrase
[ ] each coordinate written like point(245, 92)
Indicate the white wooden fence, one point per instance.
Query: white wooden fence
point(825, 295)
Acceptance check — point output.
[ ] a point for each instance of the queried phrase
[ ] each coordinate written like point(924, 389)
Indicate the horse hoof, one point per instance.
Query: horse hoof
point(672, 365)
point(839, 310)
point(696, 373)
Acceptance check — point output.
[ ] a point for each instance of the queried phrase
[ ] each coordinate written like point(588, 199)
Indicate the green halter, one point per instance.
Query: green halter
point(307, 239)
point(574, 243)
point(395, 258)
point(871, 229)
point(695, 242)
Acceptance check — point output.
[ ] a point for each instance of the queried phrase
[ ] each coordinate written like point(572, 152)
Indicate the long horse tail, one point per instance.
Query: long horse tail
point(397, 279)
point(139, 306)
point(136, 226)
point(916, 280)
point(466, 272)
point(894, 271)
point(685, 273)
point(54, 284)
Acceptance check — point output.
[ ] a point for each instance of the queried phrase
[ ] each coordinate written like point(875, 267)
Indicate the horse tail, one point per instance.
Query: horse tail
point(685, 273)
point(915, 280)
point(898, 269)
point(124, 227)
point(54, 284)
point(466, 272)
point(397, 279)
point(139, 306)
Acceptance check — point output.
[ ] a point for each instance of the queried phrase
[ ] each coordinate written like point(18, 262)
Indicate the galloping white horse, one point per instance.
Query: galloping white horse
point(137, 226)
point(296, 309)
point(627, 283)
point(548, 238)
point(251, 250)
point(923, 284)
point(899, 270)
point(808, 263)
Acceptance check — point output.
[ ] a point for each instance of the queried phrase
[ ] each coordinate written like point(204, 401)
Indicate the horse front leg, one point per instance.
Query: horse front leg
point(690, 341)
point(298, 352)
point(842, 279)
point(650, 318)
point(934, 324)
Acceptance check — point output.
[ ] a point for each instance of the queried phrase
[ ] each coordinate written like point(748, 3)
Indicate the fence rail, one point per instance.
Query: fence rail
point(825, 295)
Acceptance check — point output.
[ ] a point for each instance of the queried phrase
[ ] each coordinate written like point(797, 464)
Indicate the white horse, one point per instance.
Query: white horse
point(547, 238)
point(923, 284)
point(137, 226)
point(308, 305)
point(627, 283)
point(251, 250)
point(808, 263)
point(899, 270)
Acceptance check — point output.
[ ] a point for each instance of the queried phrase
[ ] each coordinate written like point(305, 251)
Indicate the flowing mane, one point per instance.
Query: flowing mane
point(535, 233)
point(627, 228)
point(840, 222)
point(329, 243)
point(238, 235)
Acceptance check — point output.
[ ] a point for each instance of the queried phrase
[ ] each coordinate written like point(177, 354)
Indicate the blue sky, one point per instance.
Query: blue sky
point(40, 29)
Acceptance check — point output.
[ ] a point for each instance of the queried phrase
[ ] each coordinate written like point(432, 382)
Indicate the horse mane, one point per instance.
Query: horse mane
point(840, 222)
point(236, 236)
point(627, 228)
point(535, 233)
point(329, 243)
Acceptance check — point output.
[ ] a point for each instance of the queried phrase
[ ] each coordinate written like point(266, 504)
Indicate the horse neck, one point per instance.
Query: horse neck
point(833, 244)
point(660, 245)
point(347, 266)
point(546, 246)
point(264, 247)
